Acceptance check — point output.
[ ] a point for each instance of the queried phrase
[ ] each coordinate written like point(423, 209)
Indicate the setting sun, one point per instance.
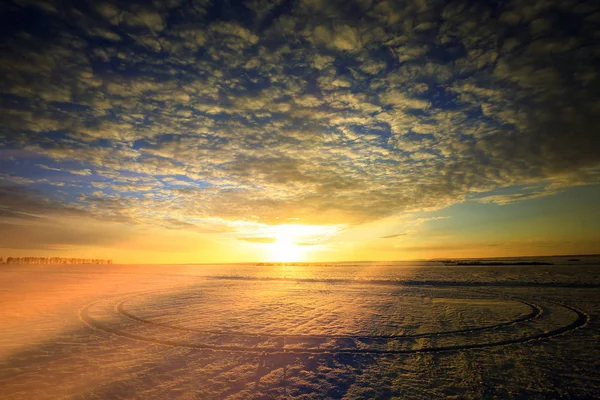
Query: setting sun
point(285, 251)
point(285, 247)
point(294, 242)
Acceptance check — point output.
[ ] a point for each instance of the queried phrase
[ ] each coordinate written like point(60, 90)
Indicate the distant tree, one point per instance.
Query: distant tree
point(52, 260)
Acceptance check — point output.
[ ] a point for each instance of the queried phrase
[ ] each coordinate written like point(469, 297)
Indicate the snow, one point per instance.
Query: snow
point(365, 330)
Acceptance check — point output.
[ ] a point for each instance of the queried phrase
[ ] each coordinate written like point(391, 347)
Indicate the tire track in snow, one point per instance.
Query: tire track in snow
point(581, 320)
point(534, 313)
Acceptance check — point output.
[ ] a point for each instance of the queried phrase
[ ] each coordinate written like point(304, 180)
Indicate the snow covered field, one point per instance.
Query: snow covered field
point(366, 330)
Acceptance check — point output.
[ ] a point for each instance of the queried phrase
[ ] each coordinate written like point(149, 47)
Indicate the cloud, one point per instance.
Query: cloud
point(257, 239)
point(313, 243)
point(83, 172)
point(16, 200)
point(329, 112)
point(503, 199)
point(394, 236)
point(49, 236)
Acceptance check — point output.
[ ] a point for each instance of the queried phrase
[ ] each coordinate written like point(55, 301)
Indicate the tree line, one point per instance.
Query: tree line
point(52, 260)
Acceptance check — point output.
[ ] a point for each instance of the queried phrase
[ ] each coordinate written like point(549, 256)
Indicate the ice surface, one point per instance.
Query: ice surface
point(363, 330)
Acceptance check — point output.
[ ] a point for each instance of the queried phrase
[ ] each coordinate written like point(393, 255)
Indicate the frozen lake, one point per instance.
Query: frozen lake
point(364, 330)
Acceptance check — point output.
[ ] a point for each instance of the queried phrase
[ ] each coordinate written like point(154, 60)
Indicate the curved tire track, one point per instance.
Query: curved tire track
point(534, 313)
point(581, 320)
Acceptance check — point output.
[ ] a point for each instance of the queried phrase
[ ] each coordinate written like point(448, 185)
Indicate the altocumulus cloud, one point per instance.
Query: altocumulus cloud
point(181, 112)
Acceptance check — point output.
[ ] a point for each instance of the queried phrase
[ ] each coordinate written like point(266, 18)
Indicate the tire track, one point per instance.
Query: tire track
point(580, 321)
point(535, 312)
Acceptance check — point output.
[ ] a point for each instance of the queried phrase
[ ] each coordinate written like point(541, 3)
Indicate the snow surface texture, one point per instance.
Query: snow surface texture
point(353, 331)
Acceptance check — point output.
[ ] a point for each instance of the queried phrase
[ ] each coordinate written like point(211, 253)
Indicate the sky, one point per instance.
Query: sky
point(308, 130)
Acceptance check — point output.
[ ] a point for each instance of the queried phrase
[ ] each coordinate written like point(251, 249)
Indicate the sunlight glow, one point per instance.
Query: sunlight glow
point(285, 248)
point(294, 242)
point(284, 251)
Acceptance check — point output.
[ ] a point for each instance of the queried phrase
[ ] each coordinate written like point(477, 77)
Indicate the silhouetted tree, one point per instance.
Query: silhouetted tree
point(52, 260)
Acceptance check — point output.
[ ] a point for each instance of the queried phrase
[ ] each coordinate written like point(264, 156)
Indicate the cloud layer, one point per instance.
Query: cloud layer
point(188, 114)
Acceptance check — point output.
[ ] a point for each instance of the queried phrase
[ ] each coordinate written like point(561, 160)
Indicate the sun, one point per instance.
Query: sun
point(281, 251)
point(296, 242)
point(285, 249)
